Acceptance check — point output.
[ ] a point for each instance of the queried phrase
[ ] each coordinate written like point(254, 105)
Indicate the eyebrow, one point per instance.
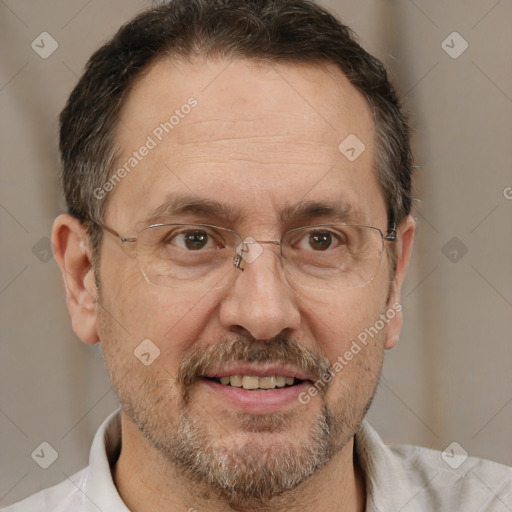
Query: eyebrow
point(340, 211)
point(176, 205)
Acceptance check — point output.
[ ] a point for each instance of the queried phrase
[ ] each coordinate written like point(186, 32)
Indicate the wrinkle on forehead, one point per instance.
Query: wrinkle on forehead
point(258, 132)
point(248, 94)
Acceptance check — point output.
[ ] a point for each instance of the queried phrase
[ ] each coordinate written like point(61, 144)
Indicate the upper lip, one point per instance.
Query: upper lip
point(260, 370)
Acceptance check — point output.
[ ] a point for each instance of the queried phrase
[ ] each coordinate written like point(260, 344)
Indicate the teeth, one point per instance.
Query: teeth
point(280, 382)
point(267, 382)
point(254, 382)
point(250, 382)
point(236, 381)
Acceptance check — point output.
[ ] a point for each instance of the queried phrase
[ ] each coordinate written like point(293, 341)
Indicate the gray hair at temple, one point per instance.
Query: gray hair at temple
point(266, 30)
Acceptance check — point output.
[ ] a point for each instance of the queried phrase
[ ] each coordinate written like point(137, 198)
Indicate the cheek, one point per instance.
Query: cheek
point(144, 346)
point(171, 319)
point(338, 318)
point(350, 332)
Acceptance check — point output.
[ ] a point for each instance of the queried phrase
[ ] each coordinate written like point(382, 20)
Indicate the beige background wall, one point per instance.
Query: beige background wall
point(450, 377)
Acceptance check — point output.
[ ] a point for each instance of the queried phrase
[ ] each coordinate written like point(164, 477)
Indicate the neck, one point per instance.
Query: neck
point(147, 482)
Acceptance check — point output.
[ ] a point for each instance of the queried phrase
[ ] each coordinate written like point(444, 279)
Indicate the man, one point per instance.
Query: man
point(238, 179)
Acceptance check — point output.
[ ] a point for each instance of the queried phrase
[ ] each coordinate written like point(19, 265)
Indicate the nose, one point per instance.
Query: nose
point(260, 300)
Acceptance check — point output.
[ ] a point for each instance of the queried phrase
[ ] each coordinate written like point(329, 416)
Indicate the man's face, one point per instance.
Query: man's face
point(261, 139)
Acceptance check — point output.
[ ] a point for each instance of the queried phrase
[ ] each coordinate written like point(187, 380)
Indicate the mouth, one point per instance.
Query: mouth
point(256, 383)
point(256, 390)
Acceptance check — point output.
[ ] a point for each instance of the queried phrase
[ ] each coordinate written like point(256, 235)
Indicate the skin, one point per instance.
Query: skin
point(261, 137)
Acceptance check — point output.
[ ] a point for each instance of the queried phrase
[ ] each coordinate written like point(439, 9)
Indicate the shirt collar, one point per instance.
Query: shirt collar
point(105, 449)
point(384, 479)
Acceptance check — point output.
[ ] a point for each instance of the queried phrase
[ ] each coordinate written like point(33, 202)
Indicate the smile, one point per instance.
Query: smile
point(256, 389)
point(253, 382)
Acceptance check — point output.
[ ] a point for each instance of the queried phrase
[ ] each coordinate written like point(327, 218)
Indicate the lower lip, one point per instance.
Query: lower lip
point(258, 401)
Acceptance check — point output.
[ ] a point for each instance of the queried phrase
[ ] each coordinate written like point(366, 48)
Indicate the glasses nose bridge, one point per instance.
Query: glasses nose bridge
point(260, 242)
point(243, 254)
point(274, 242)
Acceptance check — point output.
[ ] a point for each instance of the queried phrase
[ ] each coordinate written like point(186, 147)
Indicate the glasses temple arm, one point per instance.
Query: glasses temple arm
point(114, 232)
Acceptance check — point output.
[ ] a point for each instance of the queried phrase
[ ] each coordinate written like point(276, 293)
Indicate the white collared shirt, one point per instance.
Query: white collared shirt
point(398, 479)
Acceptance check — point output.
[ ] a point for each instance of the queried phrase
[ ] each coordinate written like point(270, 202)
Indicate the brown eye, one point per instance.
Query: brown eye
point(320, 241)
point(195, 240)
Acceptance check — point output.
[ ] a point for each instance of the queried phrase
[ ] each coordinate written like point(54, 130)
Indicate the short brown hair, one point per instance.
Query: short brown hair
point(276, 31)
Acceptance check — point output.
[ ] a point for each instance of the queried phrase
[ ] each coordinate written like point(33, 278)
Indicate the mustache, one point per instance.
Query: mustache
point(281, 349)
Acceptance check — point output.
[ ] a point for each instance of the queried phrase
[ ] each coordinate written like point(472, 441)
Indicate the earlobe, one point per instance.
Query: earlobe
point(404, 251)
point(73, 255)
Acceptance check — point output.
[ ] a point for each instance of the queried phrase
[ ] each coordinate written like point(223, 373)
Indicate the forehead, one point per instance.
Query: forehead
point(260, 137)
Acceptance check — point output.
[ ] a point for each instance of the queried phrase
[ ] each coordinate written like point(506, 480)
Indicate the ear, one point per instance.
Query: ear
point(74, 257)
point(405, 237)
